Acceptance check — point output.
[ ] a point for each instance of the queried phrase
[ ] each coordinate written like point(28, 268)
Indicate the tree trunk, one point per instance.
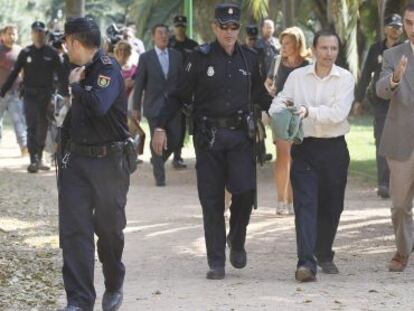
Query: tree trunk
point(288, 9)
point(75, 8)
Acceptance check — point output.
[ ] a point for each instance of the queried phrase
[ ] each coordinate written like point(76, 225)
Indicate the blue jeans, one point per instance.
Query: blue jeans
point(12, 103)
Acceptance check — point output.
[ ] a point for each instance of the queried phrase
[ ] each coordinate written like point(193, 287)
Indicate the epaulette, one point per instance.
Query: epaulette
point(204, 48)
point(106, 60)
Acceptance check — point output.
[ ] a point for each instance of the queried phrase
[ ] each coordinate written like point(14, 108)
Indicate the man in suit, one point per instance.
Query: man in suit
point(397, 143)
point(158, 74)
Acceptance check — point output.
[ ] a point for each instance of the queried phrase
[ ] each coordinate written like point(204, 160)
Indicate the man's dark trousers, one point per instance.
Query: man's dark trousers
point(383, 171)
point(36, 104)
point(173, 130)
point(228, 164)
point(318, 175)
point(92, 199)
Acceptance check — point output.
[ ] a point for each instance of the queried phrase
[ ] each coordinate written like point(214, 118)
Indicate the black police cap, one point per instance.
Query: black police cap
point(393, 20)
point(180, 20)
point(227, 13)
point(38, 26)
point(252, 30)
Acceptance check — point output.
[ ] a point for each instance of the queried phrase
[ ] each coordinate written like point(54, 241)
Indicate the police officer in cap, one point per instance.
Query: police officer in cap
point(40, 63)
point(185, 45)
point(94, 170)
point(366, 85)
point(252, 32)
point(221, 76)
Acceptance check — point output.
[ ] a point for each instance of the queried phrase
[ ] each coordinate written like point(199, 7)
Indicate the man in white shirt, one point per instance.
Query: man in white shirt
point(322, 95)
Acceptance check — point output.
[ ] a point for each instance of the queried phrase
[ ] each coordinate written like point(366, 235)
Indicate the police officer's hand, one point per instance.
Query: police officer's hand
point(159, 141)
point(135, 114)
point(76, 75)
point(400, 70)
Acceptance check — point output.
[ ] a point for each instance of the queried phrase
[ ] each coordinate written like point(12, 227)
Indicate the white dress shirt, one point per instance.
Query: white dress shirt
point(329, 100)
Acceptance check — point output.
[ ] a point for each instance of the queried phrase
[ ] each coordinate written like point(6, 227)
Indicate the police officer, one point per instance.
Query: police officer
point(40, 63)
point(94, 170)
point(185, 45)
point(369, 76)
point(220, 77)
point(252, 32)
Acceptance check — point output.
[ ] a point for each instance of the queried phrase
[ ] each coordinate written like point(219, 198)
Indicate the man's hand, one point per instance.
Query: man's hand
point(301, 111)
point(135, 114)
point(357, 108)
point(77, 74)
point(400, 70)
point(159, 141)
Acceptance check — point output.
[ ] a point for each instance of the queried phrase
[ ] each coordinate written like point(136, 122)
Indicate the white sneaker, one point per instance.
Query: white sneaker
point(282, 209)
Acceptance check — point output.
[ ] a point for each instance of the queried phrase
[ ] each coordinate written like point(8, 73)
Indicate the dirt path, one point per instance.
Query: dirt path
point(165, 253)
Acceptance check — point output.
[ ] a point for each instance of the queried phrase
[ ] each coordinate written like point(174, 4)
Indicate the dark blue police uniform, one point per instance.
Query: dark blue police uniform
point(94, 181)
point(219, 85)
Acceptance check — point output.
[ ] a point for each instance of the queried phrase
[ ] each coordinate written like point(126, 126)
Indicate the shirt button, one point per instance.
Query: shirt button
point(228, 90)
point(229, 61)
point(227, 104)
point(229, 75)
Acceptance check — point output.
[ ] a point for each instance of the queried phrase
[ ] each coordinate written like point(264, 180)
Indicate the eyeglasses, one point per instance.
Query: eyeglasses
point(232, 27)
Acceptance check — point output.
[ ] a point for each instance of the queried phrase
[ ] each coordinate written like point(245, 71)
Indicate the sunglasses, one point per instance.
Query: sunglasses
point(232, 27)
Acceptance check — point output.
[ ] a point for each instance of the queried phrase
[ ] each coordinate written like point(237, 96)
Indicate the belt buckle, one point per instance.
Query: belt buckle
point(103, 154)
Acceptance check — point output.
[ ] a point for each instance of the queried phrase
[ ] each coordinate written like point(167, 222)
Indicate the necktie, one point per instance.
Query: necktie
point(164, 62)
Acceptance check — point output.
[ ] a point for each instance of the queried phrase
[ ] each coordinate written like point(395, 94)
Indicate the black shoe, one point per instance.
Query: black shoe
point(328, 267)
point(238, 258)
point(139, 161)
point(178, 164)
point(268, 157)
point(43, 167)
point(111, 301)
point(217, 273)
point(71, 308)
point(33, 167)
point(304, 274)
point(160, 183)
point(383, 192)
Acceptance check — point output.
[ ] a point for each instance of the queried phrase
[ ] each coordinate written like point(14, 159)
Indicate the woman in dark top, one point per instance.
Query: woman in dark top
point(293, 55)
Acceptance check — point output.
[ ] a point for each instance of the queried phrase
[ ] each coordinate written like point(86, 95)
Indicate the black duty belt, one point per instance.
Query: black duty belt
point(231, 123)
point(96, 151)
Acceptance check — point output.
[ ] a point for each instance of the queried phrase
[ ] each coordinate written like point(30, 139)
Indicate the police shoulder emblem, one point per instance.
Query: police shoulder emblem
point(103, 81)
point(230, 11)
point(106, 60)
point(210, 71)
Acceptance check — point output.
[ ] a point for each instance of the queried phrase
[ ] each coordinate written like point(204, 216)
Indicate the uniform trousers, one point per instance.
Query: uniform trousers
point(229, 163)
point(318, 175)
point(383, 171)
point(35, 106)
point(92, 199)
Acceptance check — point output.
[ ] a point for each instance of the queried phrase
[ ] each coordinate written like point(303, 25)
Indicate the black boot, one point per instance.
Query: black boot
point(112, 300)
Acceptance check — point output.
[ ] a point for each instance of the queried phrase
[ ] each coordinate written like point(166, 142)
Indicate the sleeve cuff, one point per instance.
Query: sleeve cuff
point(312, 112)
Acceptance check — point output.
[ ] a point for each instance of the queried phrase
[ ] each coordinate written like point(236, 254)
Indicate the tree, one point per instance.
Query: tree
point(75, 8)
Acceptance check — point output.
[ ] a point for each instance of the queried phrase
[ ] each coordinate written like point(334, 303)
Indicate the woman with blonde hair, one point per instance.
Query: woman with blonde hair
point(293, 54)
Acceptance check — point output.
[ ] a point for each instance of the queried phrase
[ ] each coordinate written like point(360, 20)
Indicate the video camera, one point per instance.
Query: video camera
point(55, 39)
point(114, 34)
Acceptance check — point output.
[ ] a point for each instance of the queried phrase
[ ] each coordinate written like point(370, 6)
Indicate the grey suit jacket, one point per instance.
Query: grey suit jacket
point(397, 141)
point(151, 80)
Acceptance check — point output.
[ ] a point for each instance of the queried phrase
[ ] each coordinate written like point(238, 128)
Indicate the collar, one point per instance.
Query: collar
point(216, 46)
point(333, 73)
point(99, 53)
point(159, 51)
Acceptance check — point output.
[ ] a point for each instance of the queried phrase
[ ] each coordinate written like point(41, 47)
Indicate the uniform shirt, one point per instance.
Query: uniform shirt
point(217, 82)
point(98, 114)
point(8, 57)
point(185, 47)
point(39, 66)
point(371, 73)
point(328, 100)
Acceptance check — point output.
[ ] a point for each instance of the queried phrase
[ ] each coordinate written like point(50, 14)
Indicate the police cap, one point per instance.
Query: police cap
point(393, 20)
point(84, 25)
point(180, 20)
point(227, 13)
point(252, 30)
point(39, 26)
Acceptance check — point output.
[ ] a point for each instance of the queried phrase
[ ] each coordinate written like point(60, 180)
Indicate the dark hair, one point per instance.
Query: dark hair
point(325, 33)
point(89, 39)
point(159, 25)
point(409, 7)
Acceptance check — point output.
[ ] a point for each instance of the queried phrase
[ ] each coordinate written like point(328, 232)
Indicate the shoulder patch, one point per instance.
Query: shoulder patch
point(106, 60)
point(204, 48)
point(103, 81)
